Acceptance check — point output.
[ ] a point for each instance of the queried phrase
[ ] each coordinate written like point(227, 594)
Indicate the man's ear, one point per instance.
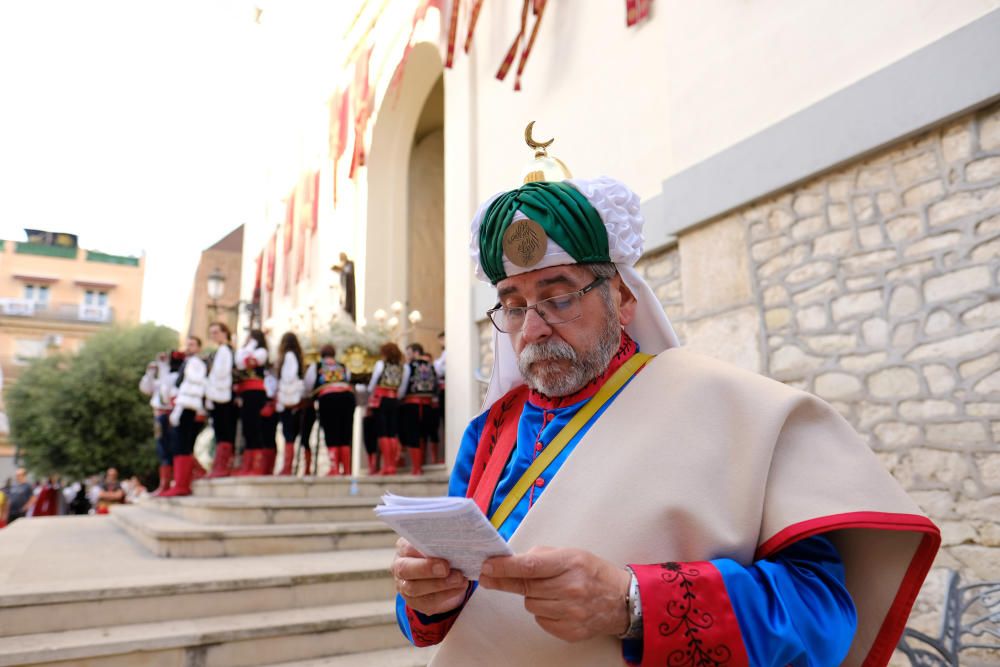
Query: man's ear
point(627, 303)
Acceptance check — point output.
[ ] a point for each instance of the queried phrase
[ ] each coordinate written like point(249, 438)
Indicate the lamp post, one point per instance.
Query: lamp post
point(215, 288)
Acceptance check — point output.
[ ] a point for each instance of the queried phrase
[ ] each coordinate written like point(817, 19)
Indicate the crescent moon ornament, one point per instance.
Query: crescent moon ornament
point(544, 167)
point(539, 146)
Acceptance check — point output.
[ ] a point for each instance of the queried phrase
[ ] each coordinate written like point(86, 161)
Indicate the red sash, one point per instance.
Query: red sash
point(495, 447)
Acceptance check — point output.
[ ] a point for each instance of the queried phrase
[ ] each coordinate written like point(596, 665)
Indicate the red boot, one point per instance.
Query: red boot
point(197, 470)
point(388, 456)
point(223, 461)
point(269, 457)
point(166, 474)
point(246, 462)
point(417, 459)
point(334, 461)
point(373, 464)
point(286, 465)
point(183, 468)
point(345, 458)
point(309, 460)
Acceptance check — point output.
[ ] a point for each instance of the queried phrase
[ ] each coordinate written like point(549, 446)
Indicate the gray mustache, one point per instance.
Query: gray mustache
point(550, 350)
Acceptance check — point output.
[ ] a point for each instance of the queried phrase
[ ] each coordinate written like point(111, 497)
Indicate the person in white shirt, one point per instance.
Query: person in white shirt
point(290, 394)
point(160, 384)
point(188, 405)
point(251, 361)
point(219, 399)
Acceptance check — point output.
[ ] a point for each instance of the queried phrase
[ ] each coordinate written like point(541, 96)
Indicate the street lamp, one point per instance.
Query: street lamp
point(216, 287)
point(216, 284)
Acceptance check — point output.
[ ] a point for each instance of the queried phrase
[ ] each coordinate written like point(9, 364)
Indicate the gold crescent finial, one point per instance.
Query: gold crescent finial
point(539, 146)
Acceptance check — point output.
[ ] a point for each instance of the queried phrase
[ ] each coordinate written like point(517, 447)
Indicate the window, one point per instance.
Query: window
point(36, 293)
point(95, 298)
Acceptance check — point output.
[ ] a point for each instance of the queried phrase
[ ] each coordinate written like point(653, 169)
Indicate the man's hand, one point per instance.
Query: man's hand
point(572, 593)
point(428, 585)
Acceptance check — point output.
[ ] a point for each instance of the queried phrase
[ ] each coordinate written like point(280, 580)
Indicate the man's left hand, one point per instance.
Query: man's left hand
point(573, 594)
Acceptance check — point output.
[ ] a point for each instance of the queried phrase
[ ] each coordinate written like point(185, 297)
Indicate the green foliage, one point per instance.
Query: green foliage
point(79, 414)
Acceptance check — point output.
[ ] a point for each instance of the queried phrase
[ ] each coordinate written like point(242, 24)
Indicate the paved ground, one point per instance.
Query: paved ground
point(60, 553)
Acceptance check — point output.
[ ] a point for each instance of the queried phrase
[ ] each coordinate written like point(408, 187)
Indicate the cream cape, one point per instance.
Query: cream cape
point(718, 462)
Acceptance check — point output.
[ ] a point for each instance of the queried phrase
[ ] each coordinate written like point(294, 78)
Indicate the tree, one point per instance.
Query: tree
point(79, 414)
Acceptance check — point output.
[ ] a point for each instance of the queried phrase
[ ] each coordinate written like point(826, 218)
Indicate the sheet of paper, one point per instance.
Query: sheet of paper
point(445, 527)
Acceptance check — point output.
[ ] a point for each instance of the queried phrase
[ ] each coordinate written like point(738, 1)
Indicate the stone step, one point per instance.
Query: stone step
point(395, 657)
point(172, 537)
point(430, 484)
point(239, 640)
point(266, 511)
point(196, 592)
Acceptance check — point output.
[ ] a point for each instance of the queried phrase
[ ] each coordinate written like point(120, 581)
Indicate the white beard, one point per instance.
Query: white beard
point(584, 366)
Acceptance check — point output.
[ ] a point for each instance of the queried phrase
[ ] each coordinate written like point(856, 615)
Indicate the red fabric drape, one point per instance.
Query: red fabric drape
point(272, 247)
point(339, 125)
point(362, 98)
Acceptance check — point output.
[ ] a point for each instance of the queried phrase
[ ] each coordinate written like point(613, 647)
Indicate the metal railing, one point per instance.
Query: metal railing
point(970, 620)
point(63, 312)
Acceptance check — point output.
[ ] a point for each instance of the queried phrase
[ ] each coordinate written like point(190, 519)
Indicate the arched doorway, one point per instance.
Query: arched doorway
point(403, 258)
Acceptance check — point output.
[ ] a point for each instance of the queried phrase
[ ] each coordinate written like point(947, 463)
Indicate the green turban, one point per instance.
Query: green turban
point(560, 209)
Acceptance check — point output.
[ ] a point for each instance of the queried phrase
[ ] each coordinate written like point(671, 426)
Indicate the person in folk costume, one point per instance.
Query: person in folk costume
point(47, 497)
point(291, 390)
point(160, 384)
point(269, 422)
point(251, 362)
point(187, 416)
point(219, 399)
point(439, 367)
point(329, 382)
point(388, 377)
point(306, 429)
point(664, 507)
point(417, 423)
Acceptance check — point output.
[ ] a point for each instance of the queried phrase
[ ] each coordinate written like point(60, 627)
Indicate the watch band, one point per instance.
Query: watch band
point(633, 604)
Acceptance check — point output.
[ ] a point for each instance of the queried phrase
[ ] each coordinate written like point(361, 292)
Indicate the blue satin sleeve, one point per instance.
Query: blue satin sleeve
point(793, 608)
point(458, 484)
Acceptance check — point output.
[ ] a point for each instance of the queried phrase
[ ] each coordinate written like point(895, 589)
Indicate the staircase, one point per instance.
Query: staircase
point(248, 571)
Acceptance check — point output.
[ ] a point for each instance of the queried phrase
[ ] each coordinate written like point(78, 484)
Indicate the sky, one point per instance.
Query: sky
point(148, 127)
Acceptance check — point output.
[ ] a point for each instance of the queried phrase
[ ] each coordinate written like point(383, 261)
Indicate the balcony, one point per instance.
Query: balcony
point(60, 312)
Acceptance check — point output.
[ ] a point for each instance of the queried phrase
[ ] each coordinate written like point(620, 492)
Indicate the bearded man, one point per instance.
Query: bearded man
point(665, 508)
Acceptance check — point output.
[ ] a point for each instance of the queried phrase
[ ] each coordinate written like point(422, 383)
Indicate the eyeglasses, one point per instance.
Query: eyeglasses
point(554, 310)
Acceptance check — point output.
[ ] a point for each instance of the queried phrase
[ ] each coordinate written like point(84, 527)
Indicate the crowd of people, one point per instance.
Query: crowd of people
point(21, 499)
point(247, 390)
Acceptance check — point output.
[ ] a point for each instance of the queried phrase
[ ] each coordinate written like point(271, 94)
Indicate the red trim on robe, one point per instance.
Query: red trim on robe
point(496, 443)
point(687, 616)
point(895, 620)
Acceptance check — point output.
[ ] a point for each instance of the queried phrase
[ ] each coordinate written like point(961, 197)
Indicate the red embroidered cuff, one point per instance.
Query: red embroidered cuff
point(428, 634)
point(687, 617)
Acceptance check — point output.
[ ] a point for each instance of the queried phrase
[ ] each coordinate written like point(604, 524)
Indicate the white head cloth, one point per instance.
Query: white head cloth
point(619, 209)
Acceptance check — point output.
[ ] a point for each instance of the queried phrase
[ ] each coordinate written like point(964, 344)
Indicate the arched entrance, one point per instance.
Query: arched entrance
point(404, 240)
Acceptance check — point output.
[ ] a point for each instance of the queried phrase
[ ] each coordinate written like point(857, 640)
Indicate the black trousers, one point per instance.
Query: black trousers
point(417, 422)
point(336, 416)
point(224, 422)
point(369, 430)
point(291, 422)
point(387, 418)
point(188, 430)
point(252, 402)
point(306, 428)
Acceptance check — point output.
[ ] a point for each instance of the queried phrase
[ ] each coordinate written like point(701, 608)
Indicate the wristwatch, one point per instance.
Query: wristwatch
point(633, 605)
